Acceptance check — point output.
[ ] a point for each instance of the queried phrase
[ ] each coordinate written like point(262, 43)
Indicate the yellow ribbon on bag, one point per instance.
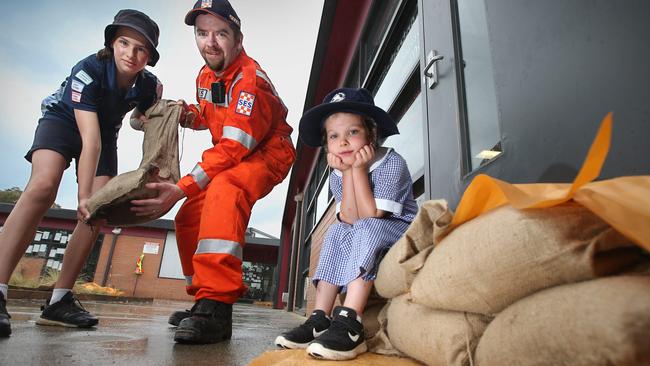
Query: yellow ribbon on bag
point(622, 202)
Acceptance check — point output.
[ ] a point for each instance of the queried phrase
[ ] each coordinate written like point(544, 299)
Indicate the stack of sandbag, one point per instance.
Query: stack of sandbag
point(521, 287)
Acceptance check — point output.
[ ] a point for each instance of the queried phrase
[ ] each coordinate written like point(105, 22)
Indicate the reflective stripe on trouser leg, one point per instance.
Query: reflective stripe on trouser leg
point(227, 207)
point(187, 223)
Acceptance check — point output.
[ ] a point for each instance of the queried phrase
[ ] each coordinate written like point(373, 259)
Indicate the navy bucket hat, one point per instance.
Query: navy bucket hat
point(220, 8)
point(139, 22)
point(357, 101)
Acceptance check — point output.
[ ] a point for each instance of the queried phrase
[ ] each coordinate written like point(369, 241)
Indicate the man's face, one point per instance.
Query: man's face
point(216, 41)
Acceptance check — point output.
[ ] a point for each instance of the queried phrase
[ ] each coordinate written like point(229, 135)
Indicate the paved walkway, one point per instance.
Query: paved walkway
point(136, 334)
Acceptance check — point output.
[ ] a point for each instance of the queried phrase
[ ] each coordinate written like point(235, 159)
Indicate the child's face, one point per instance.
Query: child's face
point(345, 135)
point(130, 51)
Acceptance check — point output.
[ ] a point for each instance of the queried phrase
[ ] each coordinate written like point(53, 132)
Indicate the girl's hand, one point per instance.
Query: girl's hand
point(363, 157)
point(82, 210)
point(336, 163)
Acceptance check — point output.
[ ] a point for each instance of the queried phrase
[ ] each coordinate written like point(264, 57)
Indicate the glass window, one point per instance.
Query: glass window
point(409, 143)
point(480, 98)
point(405, 59)
point(170, 266)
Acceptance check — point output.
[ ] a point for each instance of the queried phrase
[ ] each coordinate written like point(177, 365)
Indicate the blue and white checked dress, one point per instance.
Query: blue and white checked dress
point(350, 251)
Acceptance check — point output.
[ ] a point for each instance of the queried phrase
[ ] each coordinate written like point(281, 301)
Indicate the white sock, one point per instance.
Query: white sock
point(58, 294)
point(4, 288)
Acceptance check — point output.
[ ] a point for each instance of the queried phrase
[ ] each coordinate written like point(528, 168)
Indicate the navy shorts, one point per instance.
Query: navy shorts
point(63, 137)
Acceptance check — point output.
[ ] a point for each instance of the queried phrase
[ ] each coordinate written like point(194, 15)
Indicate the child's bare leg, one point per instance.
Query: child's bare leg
point(19, 229)
point(357, 295)
point(325, 296)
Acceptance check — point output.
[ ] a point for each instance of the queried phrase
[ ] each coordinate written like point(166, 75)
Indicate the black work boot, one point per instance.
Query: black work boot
point(178, 316)
point(211, 322)
point(5, 325)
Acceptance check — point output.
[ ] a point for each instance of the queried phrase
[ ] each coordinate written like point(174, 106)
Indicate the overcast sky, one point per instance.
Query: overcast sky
point(40, 41)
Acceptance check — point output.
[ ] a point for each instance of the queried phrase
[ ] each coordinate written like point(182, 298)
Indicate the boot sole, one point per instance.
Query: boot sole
point(49, 322)
point(282, 342)
point(317, 350)
point(189, 336)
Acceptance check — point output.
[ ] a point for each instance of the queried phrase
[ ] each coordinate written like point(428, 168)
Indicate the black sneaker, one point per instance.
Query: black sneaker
point(300, 336)
point(67, 312)
point(177, 316)
point(5, 325)
point(343, 340)
point(211, 322)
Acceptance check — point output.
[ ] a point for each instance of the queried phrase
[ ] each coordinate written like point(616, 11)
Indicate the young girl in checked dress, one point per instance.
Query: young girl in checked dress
point(374, 207)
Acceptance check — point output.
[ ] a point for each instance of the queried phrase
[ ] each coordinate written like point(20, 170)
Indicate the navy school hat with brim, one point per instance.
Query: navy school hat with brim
point(357, 101)
point(220, 8)
point(139, 22)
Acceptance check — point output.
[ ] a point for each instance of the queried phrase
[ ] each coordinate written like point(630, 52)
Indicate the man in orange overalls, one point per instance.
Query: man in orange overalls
point(252, 153)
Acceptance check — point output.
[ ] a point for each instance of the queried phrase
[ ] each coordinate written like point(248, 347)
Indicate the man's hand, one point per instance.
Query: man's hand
point(363, 157)
point(168, 195)
point(187, 116)
point(336, 163)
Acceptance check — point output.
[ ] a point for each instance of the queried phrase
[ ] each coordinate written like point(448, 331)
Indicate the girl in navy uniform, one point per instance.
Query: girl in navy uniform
point(81, 121)
point(372, 188)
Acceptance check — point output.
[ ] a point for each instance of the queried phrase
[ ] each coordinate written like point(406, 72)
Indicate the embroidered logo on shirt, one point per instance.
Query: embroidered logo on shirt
point(76, 97)
point(81, 75)
point(77, 86)
point(206, 3)
point(245, 103)
point(203, 94)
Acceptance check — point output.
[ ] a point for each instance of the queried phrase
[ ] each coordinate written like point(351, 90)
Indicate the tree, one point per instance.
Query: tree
point(12, 194)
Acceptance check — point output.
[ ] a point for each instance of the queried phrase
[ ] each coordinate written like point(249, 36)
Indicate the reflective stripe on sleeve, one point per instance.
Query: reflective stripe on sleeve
point(188, 280)
point(200, 177)
point(234, 133)
point(219, 246)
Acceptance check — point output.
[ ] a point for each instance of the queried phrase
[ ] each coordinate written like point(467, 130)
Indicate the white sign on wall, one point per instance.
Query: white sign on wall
point(150, 248)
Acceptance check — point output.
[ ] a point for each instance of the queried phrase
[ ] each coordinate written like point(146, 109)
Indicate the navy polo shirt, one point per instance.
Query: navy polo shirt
point(92, 86)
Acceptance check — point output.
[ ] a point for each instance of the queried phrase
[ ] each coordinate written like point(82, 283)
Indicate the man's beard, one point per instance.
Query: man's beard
point(215, 66)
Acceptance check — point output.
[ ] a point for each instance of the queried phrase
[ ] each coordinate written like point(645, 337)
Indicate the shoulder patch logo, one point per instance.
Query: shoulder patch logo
point(83, 76)
point(245, 103)
point(77, 86)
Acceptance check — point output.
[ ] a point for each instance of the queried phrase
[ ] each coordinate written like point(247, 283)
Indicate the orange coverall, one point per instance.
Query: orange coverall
point(252, 153)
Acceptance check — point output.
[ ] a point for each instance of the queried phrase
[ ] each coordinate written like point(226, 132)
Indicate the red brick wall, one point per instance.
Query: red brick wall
point(30, 267)
point(122, 273)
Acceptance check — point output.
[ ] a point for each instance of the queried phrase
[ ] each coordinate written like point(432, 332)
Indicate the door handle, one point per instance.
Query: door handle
point(431, 70)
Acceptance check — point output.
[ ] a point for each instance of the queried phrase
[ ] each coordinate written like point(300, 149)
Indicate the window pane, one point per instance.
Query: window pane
point(409, 142)
point(404, 61)
point(480, 98)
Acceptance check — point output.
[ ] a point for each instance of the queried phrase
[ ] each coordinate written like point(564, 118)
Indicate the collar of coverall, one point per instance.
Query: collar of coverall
point(232, 69)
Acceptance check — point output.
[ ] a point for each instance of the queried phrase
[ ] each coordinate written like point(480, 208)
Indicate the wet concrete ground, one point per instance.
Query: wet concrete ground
point(136, 334)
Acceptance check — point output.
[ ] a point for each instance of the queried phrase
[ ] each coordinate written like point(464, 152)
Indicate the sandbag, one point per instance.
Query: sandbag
point(435, 337)
point(599, 322)
point(405, 258)
point(488, 263)
point(159, 163)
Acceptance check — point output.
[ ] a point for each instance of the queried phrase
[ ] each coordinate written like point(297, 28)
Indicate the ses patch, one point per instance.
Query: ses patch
point(245, 103)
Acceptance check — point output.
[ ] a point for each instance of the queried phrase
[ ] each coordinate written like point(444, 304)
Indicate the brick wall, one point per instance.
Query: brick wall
point(122, 272)
point(30, 267)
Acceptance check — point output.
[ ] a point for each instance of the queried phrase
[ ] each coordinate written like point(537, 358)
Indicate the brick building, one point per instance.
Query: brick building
point(512, 89)
point(112, 261)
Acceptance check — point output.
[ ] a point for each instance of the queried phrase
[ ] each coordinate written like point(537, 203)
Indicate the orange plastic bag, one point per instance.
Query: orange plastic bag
point(622, 202)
